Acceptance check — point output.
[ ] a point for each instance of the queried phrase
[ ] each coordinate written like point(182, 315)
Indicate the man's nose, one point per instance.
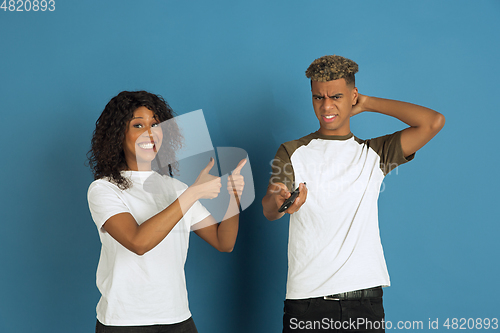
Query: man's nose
point(327, 104)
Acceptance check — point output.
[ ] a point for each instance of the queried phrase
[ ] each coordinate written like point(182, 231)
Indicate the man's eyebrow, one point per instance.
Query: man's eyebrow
point(337, 94)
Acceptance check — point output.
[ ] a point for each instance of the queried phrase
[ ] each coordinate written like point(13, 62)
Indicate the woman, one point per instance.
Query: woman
point(144, 218)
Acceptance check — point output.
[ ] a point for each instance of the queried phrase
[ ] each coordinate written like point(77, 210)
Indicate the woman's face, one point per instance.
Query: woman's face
point(143, 137)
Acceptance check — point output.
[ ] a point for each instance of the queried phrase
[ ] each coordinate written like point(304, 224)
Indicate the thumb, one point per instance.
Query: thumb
point(209, 166)
point(240, 165)
point(285, 193)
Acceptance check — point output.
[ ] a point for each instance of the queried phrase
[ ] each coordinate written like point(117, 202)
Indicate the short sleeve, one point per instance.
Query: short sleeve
point(389, 149)
point(104, 202)
point(197, 213)
point(282, 169)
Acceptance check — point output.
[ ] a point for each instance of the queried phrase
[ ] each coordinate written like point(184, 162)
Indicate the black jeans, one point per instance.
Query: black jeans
point(187, 326)
point(320, 315)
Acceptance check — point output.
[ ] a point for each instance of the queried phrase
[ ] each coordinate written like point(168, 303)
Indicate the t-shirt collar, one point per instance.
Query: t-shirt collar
point(333, 137)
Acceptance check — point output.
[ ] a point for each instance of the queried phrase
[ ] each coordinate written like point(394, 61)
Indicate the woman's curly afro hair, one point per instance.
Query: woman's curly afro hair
point(106, 157)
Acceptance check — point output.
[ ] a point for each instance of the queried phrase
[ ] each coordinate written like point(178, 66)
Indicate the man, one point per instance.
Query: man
point(336, 265)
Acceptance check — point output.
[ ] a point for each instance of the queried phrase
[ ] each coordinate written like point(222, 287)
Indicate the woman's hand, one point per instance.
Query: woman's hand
point(236, 182)
point(222, 236)
point(207, 186)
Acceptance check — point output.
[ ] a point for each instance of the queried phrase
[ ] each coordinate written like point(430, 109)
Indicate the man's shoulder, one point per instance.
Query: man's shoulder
point(303, 141)
point(375, 142)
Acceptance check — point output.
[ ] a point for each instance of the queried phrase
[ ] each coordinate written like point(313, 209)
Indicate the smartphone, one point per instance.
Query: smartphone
point(288, 202)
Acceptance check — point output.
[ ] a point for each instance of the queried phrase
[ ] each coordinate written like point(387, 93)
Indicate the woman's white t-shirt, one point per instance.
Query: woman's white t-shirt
point(148, 289)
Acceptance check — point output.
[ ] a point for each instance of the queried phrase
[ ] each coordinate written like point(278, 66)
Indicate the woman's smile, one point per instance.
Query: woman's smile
point(143, 138)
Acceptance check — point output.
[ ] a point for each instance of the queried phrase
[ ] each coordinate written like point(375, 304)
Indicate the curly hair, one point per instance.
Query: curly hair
point(332, 67)
point(106, 157)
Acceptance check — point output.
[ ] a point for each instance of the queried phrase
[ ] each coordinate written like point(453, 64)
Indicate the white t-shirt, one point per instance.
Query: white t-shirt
point(334, 241)
point(148, 289)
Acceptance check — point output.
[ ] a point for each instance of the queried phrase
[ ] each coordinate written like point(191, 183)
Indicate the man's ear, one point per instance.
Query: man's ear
point(354, 95)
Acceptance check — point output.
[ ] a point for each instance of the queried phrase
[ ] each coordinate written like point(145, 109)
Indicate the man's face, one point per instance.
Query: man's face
point(332, 102)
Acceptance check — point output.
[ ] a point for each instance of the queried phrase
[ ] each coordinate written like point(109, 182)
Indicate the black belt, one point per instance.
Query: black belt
point(356, 295)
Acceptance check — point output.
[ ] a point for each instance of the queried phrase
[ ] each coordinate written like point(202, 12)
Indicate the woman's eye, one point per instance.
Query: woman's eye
point(155, 125)
point(137, 125)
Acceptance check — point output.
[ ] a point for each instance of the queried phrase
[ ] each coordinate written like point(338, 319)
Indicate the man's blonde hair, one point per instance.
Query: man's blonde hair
point(332, 67)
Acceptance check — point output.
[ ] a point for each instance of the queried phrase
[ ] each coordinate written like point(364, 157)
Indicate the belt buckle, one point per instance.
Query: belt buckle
point(330, 298)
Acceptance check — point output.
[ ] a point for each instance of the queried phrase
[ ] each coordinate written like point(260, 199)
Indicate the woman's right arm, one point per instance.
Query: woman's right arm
point(142, 238)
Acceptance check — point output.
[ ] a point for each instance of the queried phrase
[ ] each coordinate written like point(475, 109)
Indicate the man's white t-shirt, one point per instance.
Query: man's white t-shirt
point(334, 241)
point(148, 289)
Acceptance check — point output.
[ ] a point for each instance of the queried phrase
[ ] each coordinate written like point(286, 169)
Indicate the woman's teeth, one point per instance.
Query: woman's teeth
point(146, 145)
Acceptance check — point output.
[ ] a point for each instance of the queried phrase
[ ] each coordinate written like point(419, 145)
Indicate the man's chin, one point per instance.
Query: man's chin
point(334, 130)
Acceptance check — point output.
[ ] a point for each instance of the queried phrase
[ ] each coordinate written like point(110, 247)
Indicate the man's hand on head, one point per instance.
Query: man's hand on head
point(360, 105)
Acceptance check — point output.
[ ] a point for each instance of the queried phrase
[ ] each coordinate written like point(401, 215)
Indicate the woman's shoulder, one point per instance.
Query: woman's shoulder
point(105, 184)
point(153, 183)
point(174, 183)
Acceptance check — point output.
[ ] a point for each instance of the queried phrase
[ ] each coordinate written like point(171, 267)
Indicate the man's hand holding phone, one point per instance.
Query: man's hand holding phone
point(291, 202)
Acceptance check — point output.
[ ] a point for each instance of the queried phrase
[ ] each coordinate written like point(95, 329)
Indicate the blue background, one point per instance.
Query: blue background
point(243, 63)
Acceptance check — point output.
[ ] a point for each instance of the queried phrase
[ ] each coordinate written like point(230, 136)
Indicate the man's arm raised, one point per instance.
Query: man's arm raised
point(424, 123)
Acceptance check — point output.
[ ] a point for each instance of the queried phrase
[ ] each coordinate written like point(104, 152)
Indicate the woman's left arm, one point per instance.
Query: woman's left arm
point(222, 236)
